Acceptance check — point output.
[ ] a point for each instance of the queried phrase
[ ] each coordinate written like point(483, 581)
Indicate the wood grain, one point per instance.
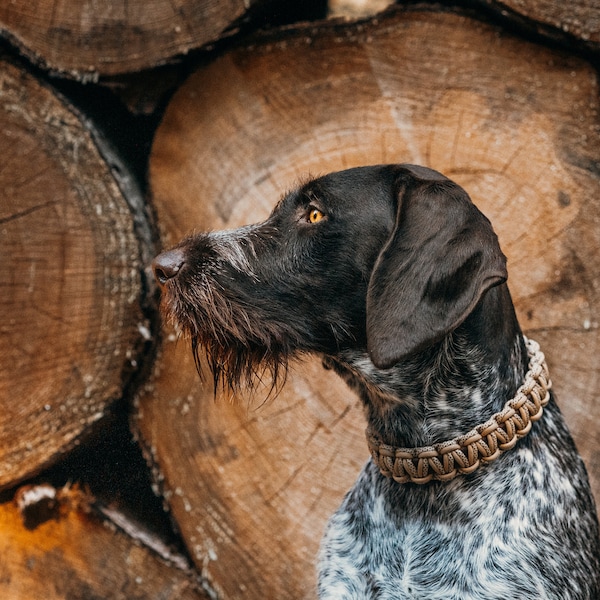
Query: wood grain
point(54, 546)
point(72, 326)
point(86, 39)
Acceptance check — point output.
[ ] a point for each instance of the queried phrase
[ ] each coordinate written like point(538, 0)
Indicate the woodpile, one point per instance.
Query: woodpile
point(502, 98)
point(86, 40)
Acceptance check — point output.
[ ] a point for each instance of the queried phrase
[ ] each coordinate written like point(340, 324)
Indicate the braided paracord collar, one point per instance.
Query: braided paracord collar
point(486, 442)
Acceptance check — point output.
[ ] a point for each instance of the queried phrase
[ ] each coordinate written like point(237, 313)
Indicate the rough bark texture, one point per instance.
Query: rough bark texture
point(516, 124)
point(87, 38)
point(579, 19)
point(72, 323)
point(55, 547)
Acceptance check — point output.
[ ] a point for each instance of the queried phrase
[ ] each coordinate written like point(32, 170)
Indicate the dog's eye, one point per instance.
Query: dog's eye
point(315, 215)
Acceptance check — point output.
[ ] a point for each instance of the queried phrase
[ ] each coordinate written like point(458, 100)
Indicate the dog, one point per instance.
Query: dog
point(391, 274)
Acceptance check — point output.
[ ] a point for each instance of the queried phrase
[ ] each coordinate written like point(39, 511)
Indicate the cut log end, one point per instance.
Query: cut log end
point(55, 545)
point(72, 322)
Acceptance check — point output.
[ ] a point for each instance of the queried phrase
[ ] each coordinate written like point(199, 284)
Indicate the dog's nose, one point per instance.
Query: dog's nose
point(167, 265)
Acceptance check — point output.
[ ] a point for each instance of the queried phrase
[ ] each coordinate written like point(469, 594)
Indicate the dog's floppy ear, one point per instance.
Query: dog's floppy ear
point(441, 256)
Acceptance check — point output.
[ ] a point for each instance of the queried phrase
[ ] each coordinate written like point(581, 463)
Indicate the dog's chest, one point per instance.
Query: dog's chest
point(417, 557)
point(457, 546)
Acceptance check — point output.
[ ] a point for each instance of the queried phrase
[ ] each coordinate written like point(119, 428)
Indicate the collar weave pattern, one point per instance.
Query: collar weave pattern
point(484, 443)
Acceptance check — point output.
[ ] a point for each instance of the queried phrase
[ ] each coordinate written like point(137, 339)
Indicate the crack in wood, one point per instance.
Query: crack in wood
point(26, 212)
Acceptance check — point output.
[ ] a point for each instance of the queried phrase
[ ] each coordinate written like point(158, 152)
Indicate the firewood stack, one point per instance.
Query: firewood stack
point(123, 128)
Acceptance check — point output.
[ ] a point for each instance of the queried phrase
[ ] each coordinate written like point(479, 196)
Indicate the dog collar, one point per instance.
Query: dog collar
point(484, 443)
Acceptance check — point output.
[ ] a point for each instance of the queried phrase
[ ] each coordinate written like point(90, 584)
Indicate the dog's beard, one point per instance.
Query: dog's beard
point(240, 367)
point(239, 349)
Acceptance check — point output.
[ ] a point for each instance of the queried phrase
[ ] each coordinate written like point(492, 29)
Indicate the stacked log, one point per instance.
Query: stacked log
point(73, 326)
point(499, 97)
point(74, 239)
point(87, 40)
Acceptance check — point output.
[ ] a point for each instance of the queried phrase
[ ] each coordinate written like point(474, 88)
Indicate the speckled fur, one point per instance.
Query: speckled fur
point(400, 287)
point(521, 527)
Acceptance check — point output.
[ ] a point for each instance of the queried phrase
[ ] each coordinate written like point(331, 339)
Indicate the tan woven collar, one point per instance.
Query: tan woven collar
point(486, 442)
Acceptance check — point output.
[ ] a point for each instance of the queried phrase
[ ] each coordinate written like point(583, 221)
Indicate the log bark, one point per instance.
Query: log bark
point(72, 324)
point(253, 484)
point(579, 19)
point(87, 39)
point(55, 546)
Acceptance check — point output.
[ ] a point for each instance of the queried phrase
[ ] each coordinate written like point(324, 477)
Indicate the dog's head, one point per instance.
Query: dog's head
point(387, 259)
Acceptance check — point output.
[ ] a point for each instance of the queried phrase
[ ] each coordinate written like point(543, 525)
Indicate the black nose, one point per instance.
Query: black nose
point(167, 265)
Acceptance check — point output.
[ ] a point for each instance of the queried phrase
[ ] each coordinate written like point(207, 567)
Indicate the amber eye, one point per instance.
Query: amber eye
point(315, 215)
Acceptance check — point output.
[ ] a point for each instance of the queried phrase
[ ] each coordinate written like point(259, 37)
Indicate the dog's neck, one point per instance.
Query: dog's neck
point(447, 390)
